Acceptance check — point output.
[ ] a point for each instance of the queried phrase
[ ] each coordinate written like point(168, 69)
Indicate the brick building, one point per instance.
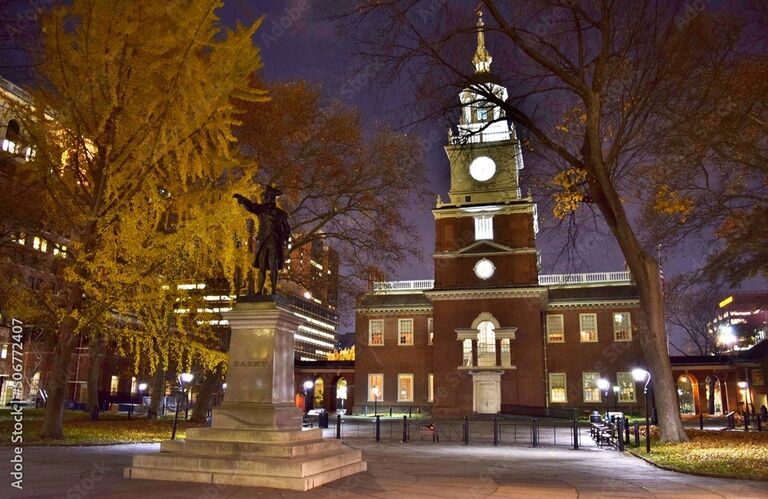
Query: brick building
point(489, 334)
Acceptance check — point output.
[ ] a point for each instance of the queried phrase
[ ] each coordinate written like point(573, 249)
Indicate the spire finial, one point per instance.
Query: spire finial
point(482, 59)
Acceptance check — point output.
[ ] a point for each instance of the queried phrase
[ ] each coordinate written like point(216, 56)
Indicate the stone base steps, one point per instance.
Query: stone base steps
point(296, 460)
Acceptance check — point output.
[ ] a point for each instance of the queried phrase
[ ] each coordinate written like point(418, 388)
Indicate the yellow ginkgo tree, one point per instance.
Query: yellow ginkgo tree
point(131, 121)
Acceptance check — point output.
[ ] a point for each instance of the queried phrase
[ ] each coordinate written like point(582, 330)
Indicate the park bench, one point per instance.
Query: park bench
point(603, 433)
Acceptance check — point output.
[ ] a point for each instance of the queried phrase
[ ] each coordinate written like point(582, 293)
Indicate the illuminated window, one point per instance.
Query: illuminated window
point(626, 383)
point(134, 386)
point(405, 387)
point(21, 238)
point(486, 344)
point(430, 331)
point(483, 227)
point(555, 329)
point(431, 388)
point(622, 327)
point(588, 327)
point(34, 385)
point(375, 387)
point(113, 385)
point(506, 354)
point(405, 332)
point(467, 352)
point(4, 352)
point(376, 332)
point(36, 243)
point(591, 390)
point(557, 388)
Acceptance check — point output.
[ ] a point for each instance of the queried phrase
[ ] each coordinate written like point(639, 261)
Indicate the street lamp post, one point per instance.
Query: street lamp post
point(307, 390)
point(142, 389)
point(186, 384)
point(643, 375)
point(375, 391)
point(744, 386)
point(184, 379)
point(604, 385)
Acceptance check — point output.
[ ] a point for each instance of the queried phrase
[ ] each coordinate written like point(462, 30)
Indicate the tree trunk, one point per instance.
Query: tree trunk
point(158, 392)
point(645, 270)
point(53, 418)
point(654, 343)
point(96, 354)
point(203, 402)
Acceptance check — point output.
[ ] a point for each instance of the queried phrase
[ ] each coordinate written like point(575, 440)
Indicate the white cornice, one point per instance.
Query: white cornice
point(418, 309)
point(521, 205)
point(462, 254)
point(492, 293)
point(558, 305)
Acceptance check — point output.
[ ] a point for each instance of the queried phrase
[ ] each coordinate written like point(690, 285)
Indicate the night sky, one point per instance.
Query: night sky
point(298, 41)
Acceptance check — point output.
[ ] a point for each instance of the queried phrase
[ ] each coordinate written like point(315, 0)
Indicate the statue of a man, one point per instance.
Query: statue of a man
point(272, 237)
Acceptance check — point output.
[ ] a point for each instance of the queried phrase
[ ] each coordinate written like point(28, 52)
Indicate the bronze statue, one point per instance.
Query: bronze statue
point(272, 237)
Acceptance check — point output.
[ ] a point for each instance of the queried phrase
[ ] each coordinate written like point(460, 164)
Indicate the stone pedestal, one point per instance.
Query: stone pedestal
point(255, 438)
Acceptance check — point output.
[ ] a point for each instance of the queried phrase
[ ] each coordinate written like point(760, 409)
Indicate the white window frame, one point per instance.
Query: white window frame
point(430, 388)
point(627, 385)
point(564, 388)
point(506, 352)
point(582, 332)
point(400, 332)
point(430, 330)
point(625, 316)
point(371, 377)
point(400, 378)
point(592, 393)
point(466, 353)
point(371, 332)
point(551, 336)
point(484, 228)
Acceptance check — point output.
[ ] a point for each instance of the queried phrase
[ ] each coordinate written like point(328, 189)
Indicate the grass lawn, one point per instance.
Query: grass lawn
point(733, 454)
point(78, 430)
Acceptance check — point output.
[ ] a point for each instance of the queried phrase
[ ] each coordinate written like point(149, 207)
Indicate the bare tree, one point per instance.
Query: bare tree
point(590, 83)
point(691, 309)
point(342, 185)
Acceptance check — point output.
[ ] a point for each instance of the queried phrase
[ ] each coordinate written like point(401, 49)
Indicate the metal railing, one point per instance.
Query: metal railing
point(15, 89)
point(623, 277)
point(496, 431)
point(587, 278)
point(392, 287)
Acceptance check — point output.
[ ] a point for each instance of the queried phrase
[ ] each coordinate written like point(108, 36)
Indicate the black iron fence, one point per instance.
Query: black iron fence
point(533, 432)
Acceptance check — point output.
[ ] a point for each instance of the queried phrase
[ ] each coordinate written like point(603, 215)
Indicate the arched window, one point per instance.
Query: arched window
point(11, 141)
point(713, 395)
point(685, 395)
point(319, 395)
point(12, 131)
point(486, 344)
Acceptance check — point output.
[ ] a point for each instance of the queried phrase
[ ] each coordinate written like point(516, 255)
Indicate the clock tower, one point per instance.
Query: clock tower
point(486, 298)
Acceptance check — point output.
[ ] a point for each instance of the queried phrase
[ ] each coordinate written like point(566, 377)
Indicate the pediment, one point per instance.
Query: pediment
point(484, 247)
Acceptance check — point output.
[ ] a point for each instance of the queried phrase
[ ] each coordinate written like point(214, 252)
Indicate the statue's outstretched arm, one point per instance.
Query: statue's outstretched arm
point(249, 205)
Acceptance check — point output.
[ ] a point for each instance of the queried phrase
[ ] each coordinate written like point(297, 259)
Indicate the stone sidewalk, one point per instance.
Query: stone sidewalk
point(415, 470)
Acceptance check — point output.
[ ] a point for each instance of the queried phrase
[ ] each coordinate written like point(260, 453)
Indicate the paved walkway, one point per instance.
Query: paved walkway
point(417, 470)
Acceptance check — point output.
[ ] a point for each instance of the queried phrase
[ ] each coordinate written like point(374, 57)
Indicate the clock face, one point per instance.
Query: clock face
point(482, 168)
point(484, 268)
